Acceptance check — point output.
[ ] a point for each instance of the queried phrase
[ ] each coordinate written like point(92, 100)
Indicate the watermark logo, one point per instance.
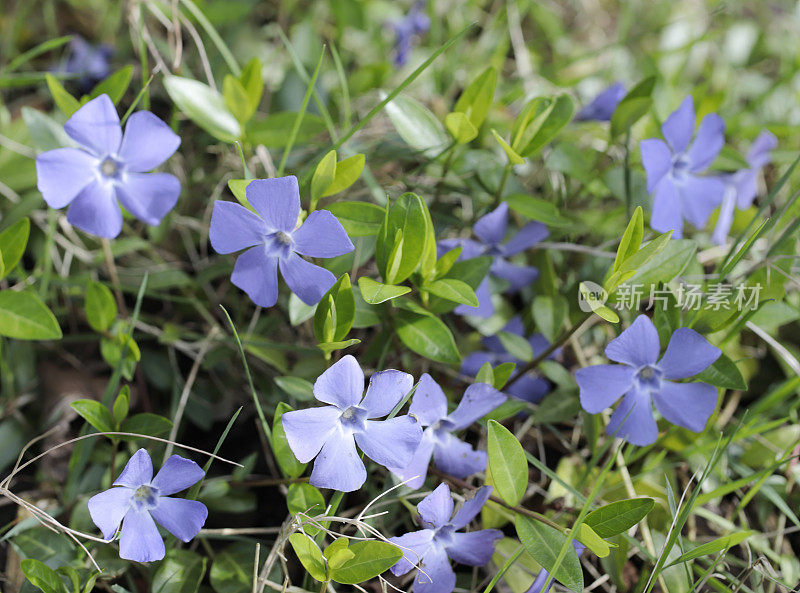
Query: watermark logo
point(688, 297)
point(591, 296)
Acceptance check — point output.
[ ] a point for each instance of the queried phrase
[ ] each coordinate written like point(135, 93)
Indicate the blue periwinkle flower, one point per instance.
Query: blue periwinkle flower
point(643, 380)
point(109, 169)
point(140, 501)
point(414, 23)
point(450, 454)
point(602, 107)
point(491, 230)
point(673, 170)
point(433, 547)
point(88, 62)
point(330, 433)
point(274, 241)
point(740, 187)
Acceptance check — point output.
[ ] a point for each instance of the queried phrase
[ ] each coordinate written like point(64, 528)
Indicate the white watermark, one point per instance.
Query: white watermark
point(688, 297)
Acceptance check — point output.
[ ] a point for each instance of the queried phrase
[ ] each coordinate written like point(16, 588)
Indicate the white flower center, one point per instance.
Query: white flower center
point(109, 168)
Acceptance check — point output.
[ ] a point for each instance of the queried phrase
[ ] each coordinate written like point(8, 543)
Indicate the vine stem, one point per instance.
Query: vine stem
point(506, 172)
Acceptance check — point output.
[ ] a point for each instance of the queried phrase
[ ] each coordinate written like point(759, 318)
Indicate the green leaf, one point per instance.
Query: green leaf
point(121, 346)
point(181, 571)
point(594, 542)
point(664, 266)
point(427, 336)
point(537, 209)
point(375, 293)
point(633, 106)
point(296, 387)
point(42, 576)
point(477, 98)
point(236, 99)
point(597, 306)
point(323, 176)
point(232, 569)
point(485, 374)
point(328, 347)
point(723, 373)
point(446, 262)
point(13, 241)
point(46, 133)
point(370, 558)
point(119, 410)
point(338, 553)
point(649, 251)
point(63, 100)
point(146, 423)
point(631, 239)
point(305, 498)
point(460, 127)
point(544, 543)
point(275, 131)
point(253, 82)
point(288, 463)
point(416, 124)
point(549, 314)
point(338, 299)
point(310, 556)
point(359, 219)
point(513, 157)
point(718, 545)
point(559, 115)
point(453, 290)
point(204, 106)
point(115, 85)
point(517, 346)
point(502, 373)
point(25, 317)
point(507, 463)
point(617, 517)
point(347, 173)
point(94, 413)
point(101, 308)
point(402, 238)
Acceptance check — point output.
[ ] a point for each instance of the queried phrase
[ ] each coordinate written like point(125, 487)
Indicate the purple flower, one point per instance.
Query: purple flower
point(540, 579)
point(90, 63)
point(529, 388)
point(491, 230)
point(643, 380)
point(416, 22)
point(330, 433)
point(141, 498)
point(602, 107)
point(272, 241)
point(673, 169)
point(740, 187)
point(109, 167)
point(433, 547)
point(450, 454)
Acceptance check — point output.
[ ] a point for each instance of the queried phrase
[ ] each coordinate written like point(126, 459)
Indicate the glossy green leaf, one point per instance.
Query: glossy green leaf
point(101, 308)
point(296, 387)
point(204, 106)
point(24, 316)
point(549, 315)
point(453, 290)
point(634, 105)
point(537, 209)
point(305, 498)
point(517, 346)
point(119, 411)
point(513, 157)
point(13, 241)
point(359, 219)
point(114, 85)
point(370, 558)
point(460, 127)
point(718, 545)
point(146, 423)
point(723, 373)
point(507, 463)
point(416, 124)
point(544, 543)
point(589, 538)
point(236, 99)
point(288, 463)
point(375, 293)
point(631, 239)
point(477, 98)
point(339, 300)
point(338, 553)
point(310, 556)
point(427, 336)
point(42, 576)
point(402, 238)
point(94, 413)
point(323, 176)
point(347, 173)
point(65, 102)
point(617, 517)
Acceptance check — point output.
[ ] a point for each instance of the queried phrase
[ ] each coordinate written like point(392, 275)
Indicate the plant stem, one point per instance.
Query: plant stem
point(499, 195)
point(451, 151)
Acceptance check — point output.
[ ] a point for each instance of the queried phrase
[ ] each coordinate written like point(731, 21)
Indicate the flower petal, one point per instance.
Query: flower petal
point(138, 471)
point(699, 197)
point(108, 508)
point(384, 392)
point(342, 384)
point(637, 346)
point(491, 228)
point(725, 216)
point(744, 185)
point(758, 155)
point(603, 384)
point(479, 399)
point(322, 235)
point(96, 211)
point(277, 200)
point(633, 420)
point(234, 227)
point(528, 236)
point(485, 306)
point(435, 573)
point(307, 281)
point(338, 466)
point(656, 159)
point(392, 442)
point(416, 471)
point(256, 273)
point(149, 196)
point(469, 249)
point(181, 517)
point(307, 430)
point(457, 458)
point(470, 509)
point(147, 142)
point(688, 353)
point(707, 143)
point(666, 214)
point(413, 545)
point(603, 106)
point(689, 405)
point(472, 363)
point(679, 126)
point(436, 508)
point(177, 473)
point(474, 548)
point(529, 388)
point(140, 540)
point(517, 276)
point(62, 173)
point(429, 404)
point(96, 126)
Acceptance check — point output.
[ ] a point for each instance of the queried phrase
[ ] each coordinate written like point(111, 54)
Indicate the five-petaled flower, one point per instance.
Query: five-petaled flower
point(602, 107)
point(433, 547)
point(109, 169)
point(450, 454)
point(740, 187)
point(530, 387)
point(491, 230)
point(273, 240)
point(643, 379)
point(673, 169)
point(141, 498)
point(330, 433)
